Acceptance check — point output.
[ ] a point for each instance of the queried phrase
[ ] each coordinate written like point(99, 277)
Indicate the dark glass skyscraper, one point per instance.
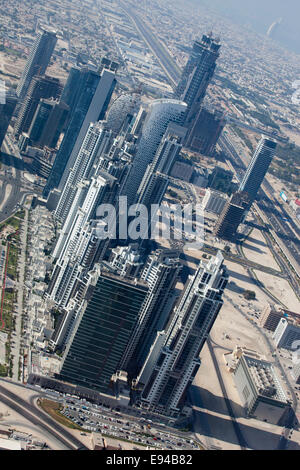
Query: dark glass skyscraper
point(92, 99)
point(6, 112)
point(197, 74)
point(258, 167)
point(102, 332)
point(40, 87)
point(232, 215)
point(48, 122)
point(37, 61)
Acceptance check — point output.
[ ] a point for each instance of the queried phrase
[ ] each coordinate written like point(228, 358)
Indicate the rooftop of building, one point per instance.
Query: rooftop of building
point(264, 378)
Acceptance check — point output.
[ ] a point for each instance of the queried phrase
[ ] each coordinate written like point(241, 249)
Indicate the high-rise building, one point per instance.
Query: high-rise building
point(96, 141)
point(205, 131)
point(161, 113)
point(261, 393)
point(126, 260)
point(232, 216)
point(173, 360)
point(197, 75)
point(258, 167)
point(48, 123)
point(78, 247)
point(161, 274)
point(37, 61)
point(120, 110)
point(71, 88)
point(155, 181)
point(102, 331)
point(92, 99)
point(40, 87)
point(287, 334)
point(6, 112)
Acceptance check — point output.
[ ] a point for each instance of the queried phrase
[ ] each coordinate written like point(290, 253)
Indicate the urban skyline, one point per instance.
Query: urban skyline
point(149, 236)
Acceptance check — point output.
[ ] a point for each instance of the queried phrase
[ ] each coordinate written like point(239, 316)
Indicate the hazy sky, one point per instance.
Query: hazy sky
point(260, 14)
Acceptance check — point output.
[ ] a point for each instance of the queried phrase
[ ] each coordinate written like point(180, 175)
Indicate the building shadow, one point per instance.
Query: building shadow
point(252, 248)
point(11, 160)
point(211, 419)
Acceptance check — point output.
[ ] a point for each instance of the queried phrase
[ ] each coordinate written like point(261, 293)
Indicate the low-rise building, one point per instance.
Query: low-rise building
point(287, 334)
point(259, 388)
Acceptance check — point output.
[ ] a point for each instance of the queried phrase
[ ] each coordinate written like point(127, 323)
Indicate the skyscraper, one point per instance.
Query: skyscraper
point(197, 75)
point(77, 247)
point(205, 131)
point(37, 61)
point(167, 153)
point(174, 360)
point(232, 215)
point(258, 167)
point(92, 99)
point(161, 273)
point(69, 93)
point(40, 87)
point(48, 123)
point(102, 331)
point(96, 141)
point(161, 113)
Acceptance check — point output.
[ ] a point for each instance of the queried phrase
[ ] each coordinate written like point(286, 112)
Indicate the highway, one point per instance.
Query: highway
point(37, 417)
point(14, 187)
point(164, 58)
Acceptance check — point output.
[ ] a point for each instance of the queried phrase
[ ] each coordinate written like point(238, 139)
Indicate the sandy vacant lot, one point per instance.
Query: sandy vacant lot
point(281, 289)
point(255, 249)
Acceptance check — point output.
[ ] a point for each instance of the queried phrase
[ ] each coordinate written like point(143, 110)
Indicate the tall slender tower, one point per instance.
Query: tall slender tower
point(167, 153)
point(258, 167)
point(77, 247)
point(197, 74)
point(92, 99)
point(37, 61)
point(161, 275)
point(96, 141)
point(174, 360)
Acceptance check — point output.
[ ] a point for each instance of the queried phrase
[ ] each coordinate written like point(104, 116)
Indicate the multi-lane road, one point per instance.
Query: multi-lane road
point(31, 413)
point(273, 212)
point(13, 186)
point(167, 62)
